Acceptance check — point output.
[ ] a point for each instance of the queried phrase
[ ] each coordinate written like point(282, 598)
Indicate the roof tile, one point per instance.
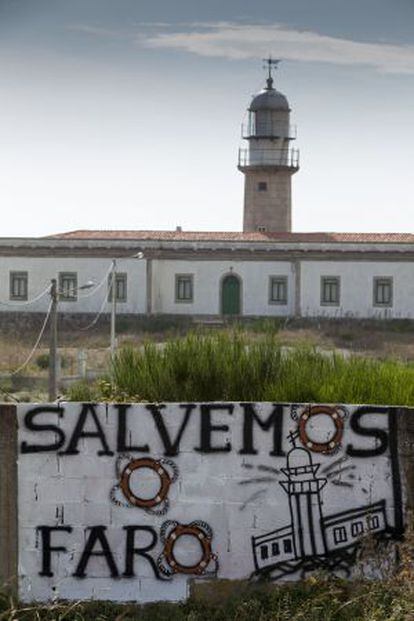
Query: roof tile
point(194, 236)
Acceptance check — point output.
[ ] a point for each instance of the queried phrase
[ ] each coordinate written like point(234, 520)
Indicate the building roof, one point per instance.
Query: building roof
point(235, 236)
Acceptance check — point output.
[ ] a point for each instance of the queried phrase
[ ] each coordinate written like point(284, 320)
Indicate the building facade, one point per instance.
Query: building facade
point(213, 274)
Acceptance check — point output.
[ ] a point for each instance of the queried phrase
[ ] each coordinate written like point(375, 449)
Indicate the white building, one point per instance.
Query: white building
point(267, 270)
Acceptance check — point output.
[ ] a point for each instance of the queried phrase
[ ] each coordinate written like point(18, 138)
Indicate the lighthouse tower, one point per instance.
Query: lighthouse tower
point(269, 161)
point(304, 490)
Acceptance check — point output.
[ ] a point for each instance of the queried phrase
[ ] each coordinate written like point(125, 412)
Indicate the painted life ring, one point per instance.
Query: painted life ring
point(336, 417)
point(158, 468)
point(171, 531)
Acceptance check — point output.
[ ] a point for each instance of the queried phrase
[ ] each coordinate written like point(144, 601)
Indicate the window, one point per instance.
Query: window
point(264, 554)
point(373, 522)
point(120, 287)
point(287, 546)
point(357, 528)
point(330, 290)
point(261, 228)
point(278, 290)
point(262, 186)
point(18, 285)
point(68, 286)
point(184, 288)
point(339, 534)
point(382, 291)
point(275, 549)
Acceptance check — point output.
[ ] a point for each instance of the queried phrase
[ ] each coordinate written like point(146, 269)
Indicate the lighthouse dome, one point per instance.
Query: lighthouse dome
point(269, 99)
point(298, 457)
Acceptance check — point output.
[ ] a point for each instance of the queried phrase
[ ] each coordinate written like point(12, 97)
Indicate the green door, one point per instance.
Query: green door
point(230, 295)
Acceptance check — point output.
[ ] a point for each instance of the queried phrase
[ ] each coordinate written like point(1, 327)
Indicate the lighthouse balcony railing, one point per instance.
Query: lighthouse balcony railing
point(268, 129)
point(285, 158)
point(305, 487)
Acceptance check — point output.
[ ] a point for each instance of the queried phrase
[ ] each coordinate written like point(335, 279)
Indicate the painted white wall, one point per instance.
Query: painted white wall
point(41, 270)
point(357, 288)
point(207, 283)
point(238, 496)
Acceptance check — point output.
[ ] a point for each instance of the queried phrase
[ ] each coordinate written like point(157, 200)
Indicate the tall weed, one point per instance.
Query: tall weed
point(228, 366)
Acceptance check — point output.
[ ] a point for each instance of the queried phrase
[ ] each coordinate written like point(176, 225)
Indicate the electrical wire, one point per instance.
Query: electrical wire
point(95, 319)
point(98, 286)
point(105, 278)
point(27, 302)
point(9, 395)
point(104, 302)
point(30, 356)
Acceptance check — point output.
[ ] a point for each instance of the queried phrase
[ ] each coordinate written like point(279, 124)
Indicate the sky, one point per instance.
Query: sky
point(126, 114)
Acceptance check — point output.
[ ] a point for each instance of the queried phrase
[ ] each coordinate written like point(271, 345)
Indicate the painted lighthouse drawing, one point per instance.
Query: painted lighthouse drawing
point(304, 488)
point(313, 540)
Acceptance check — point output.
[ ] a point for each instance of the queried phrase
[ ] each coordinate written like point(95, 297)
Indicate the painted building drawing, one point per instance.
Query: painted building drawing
point(313, 540)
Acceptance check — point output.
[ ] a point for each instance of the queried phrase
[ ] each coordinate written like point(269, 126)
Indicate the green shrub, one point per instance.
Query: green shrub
point(226, 366)
point(84, 391)
point(269, 325)
point(42, 361)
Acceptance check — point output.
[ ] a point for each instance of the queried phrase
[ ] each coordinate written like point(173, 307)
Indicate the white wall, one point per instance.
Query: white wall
point(207, 282)
point(233, 480)
point(356, 286)
point(356, 278)
point(42, 270)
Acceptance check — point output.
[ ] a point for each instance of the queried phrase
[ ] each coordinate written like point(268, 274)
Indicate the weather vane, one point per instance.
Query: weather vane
point(270, 63)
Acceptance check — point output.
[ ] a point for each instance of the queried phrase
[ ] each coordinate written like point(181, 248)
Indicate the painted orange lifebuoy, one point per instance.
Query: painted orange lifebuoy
point(158, 468)
point(205, 545)
point(331, 444)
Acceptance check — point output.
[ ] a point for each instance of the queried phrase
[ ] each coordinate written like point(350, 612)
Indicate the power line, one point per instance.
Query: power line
point(8, 394)
point(95, 319)
point(27, 302)
point(98, 286)
point(110, 269)
point(30, 356)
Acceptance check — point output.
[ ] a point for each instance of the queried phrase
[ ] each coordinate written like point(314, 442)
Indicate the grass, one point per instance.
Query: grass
point(229, 366)
point(311, 600)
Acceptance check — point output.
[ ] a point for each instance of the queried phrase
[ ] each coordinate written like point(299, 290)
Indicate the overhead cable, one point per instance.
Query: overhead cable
point(95, 319)
point(27, 302)
point(35, 346)
point(98, 286)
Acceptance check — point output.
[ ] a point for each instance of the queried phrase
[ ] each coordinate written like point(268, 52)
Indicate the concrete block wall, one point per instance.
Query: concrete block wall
point(136, 502)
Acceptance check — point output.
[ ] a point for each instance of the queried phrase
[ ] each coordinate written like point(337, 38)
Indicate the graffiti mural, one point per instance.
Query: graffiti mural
point(313, 540)
point(131, 502)
point(205, 563)
point(332, 442)
point(127, 469)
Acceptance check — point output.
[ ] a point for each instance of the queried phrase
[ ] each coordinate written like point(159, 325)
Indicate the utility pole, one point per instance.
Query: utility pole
point(113, 293)
point(53, 354)
point(113, 308)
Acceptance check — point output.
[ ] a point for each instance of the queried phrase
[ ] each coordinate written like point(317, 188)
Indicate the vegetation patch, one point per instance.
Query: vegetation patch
point(311, 600)
point(231, 367)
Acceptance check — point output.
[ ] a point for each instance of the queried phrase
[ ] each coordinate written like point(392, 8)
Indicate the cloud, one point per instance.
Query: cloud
point(243, 41)
point(96, 31)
